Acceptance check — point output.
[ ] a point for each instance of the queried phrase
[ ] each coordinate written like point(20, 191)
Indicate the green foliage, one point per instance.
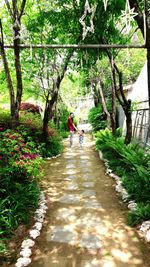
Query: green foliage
point(31, 120)
point(142, 213)
point(5, 119)
point(132, 165)
point(53, 147)
point(96, 118)
point(63, 124)
point(17, 206)
point(63, 134)
point(19, 191)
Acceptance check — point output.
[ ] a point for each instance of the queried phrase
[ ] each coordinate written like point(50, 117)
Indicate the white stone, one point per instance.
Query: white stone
point(21, 262)
point(145, 226)
point(40, 212)
point(118, 188)
point(124, 195)
point(147, 236)
point(27, 243)
point(111, 174)
point(43, 207)
point(34, 233)
point(100, 154)
point(108, 171)
point(41, 220)
point(116, 177)
point(26, 252)
point(38, 226)
point(132, 205)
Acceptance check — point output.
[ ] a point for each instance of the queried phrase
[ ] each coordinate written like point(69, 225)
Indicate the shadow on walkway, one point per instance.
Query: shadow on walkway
point(85, 224)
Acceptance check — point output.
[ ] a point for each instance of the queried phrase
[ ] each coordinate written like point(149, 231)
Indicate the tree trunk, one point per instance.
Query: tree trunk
point(100, 89)
point(96, 95)
point(113, 114)
point(17, 66)
point(128, 123)
point(46, 120)
point(113, 98)
point(50, 103)
point(126, 105)
point(48, 110)
point(14, 117)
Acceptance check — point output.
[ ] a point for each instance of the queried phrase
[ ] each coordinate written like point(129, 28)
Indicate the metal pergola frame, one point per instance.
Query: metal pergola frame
point(76, 46)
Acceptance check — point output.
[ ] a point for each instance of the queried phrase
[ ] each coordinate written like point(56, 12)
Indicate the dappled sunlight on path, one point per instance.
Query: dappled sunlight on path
point(86, 223)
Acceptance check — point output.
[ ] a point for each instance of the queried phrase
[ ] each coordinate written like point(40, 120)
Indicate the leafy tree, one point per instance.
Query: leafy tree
point(141, 7)
point(15, 13)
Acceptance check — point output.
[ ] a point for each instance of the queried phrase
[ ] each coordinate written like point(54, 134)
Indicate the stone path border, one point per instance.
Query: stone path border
point(28, 242)
point(144, 228)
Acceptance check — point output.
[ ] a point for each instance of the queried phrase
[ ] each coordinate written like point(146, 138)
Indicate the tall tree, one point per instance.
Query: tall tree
point(16, 14)
point(141, 7)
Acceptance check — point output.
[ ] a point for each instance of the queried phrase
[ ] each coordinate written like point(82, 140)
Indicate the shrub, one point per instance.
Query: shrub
point(52, 148)
point(131, 163)
point(30, 107)
point(63, 125)
point(19, 170)
point(97, 118)
point(64, 134)
point(31, 130)
point(142, 213)
point(5, 119)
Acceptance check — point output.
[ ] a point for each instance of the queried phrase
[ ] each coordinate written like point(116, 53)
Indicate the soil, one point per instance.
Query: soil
point(86, 222)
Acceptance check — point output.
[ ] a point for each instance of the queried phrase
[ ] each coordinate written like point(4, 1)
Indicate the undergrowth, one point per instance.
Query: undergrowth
point(132, 164)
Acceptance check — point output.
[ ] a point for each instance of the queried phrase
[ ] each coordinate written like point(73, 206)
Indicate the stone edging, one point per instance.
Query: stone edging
point(28, 243)
point(144, 228)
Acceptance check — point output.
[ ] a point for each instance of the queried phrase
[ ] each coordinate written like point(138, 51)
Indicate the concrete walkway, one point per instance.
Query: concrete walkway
point(85, 224)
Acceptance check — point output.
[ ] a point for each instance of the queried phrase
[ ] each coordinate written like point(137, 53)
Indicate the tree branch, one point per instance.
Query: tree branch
point(9, 9)
point(2, 36)
point(139, 18)
point(15, 10)
point(22, 8)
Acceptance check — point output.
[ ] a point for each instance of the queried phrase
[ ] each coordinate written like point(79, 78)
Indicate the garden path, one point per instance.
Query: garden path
point(85, 224)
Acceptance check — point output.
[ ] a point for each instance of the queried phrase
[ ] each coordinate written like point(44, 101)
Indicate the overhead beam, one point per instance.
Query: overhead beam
point(75, 46)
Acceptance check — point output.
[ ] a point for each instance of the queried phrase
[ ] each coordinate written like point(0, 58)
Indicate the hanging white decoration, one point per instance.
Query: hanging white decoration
point(105, 4)
point(127, 16)
point(91, 10)
point(78, 2)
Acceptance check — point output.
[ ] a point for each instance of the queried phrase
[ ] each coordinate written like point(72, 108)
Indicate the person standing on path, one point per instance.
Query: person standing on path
point(81, 138)
point(71, 128)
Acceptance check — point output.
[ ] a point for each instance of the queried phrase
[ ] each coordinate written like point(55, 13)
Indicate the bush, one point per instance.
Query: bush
point(64, 134)
point(142, 213)
point(131, 163)
point(31, 130)
point(63, 126)
point(19, 170)
point(52, 148)
point(97, 118)
point(30, 107)
point(5, 119)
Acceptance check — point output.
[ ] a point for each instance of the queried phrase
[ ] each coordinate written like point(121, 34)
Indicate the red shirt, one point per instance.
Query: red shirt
point(70, 124)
